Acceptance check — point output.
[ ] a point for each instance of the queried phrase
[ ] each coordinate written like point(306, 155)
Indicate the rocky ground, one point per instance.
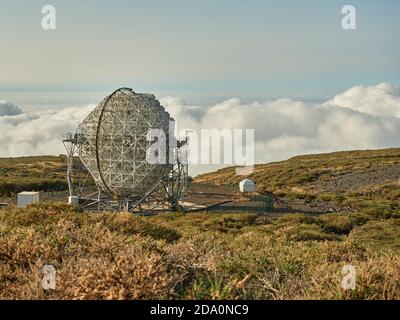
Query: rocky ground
point(351, 181)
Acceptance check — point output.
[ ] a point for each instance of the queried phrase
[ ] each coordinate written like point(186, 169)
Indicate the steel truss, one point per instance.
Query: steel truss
point(107, 168)
point(164, 196)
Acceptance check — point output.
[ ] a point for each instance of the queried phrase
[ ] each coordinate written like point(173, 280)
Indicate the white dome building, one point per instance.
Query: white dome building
point(247, 185)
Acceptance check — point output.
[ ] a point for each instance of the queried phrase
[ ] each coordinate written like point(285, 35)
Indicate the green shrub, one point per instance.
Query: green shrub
point(342, 223)
point(184, 256)
point(296, 218)
point(309, 232)
point(128, 224)
point(378, 234)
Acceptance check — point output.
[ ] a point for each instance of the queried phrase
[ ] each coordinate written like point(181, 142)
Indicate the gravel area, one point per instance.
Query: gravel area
point(358, 180)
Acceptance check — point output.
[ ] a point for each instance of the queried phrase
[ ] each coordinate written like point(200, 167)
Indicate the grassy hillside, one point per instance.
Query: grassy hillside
point(361, 180)
point(197, 255)
point(296, 255)
point(42, 173)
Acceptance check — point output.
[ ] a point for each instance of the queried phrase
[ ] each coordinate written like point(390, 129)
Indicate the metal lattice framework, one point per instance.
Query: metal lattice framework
point(111, 145)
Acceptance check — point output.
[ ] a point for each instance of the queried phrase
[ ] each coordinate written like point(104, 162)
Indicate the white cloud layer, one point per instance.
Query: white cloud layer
point(38, 133)
point(8, 109)
point(362, 117)
point(380, 100)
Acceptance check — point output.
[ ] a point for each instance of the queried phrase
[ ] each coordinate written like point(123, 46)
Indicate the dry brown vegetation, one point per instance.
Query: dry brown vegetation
point(43, 173)
point(217, 256)
point(366, 181)
point(337, 172)
point(197, 255)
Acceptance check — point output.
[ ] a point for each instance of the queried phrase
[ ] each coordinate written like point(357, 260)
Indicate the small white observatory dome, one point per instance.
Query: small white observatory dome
point(247, 185)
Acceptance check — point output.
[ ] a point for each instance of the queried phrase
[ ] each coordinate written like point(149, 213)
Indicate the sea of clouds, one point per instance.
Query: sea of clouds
point(363, 117)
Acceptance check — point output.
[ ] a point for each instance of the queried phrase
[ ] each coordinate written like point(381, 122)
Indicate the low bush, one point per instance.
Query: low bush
point(185, 256)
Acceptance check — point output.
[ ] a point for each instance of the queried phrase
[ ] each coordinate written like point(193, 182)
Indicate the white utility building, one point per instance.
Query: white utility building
point(247, 185)
point(27, 197)
point(74, 200)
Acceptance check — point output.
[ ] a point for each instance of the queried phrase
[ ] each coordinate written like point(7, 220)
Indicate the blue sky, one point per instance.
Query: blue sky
point(209, 48)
